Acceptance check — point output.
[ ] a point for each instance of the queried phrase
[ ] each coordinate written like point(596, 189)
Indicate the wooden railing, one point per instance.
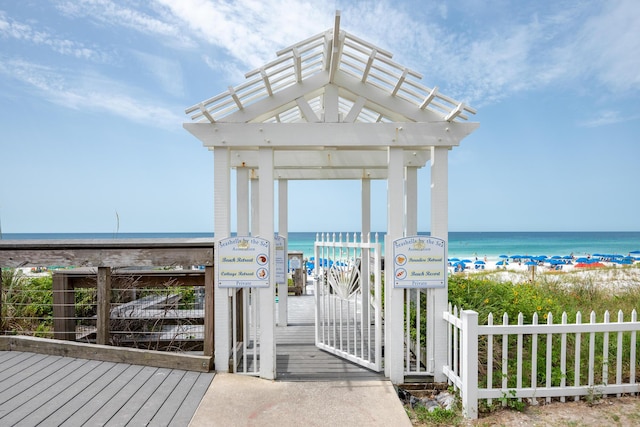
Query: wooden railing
point(157, 258)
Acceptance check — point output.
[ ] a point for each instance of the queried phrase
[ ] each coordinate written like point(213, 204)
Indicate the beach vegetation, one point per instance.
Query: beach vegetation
point(551, 298)
point(27, 306)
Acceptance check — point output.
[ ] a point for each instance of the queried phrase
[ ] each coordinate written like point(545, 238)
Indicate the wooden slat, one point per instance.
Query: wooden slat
point(106, 253)
point(192, 400)
point(51, 398)
point(157, 399)
point(166, 414)
point(74, 399)
point(37, 386)
point(107, 353)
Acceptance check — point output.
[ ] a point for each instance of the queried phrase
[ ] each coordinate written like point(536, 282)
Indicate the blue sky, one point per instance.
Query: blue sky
point(93, 93)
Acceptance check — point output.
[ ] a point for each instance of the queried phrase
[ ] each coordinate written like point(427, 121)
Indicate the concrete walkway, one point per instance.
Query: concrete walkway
point(237, 400)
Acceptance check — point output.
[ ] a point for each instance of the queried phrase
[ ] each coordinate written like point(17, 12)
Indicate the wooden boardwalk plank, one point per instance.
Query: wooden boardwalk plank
point(114, 405)
point(169, 410)
point(110, 389)
point(38, 391)
point(154, 403)
point(61, 406)
point(54, 390)
point(21, 382)
point(139, 397)
point(84, 398)
point(19, 367)
point(192, 400)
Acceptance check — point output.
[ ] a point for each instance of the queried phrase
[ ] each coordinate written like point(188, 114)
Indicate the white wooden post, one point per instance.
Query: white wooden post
point(267, 295)
point(255, 204)
point(469, 364)
point(411, 201)
point(242, 201)
point(366, 258)
point(283, 230)
point(222, 229)
point(394, 308)
point(437, 298)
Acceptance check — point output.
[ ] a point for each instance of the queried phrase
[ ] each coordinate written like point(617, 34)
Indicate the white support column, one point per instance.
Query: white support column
point(365, 277)
point(437, 298)
point(394, 307)
point(331, 114)
point(242, 200)
point(255, 203)
point(283, 230)
point(222, 229)
point(411, 200)
point(267, 295)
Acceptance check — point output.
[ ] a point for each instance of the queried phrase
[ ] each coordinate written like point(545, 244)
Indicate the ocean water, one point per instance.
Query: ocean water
point(461, 244)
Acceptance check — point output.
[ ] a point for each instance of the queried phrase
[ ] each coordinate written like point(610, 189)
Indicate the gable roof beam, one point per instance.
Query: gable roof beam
point(268, 107)
point(234, 95)
point(454, 113)
point(355, 110)
point(367, 68)
point(359, 43)
point(205, 113)
point(429, 98)
point(297, 64)
point(306, 110)
point(336, 48)
point(400, 81)
point(395, 108)
point(265, 79)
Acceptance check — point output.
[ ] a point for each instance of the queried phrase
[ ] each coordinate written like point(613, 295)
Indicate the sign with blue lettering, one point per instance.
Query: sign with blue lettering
point(243, 262)
point(419, 262)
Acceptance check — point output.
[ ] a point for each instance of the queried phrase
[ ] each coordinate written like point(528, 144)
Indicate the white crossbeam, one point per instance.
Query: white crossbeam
point(234, 95)
point(455, 112)
point(205, 113)
point(306, 110)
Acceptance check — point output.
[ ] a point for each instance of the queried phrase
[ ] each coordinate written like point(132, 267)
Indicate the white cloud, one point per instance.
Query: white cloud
point(165, 71)
point(90, 92)
point(10, 28)
point(251, 31)
point(609, 45)
point(607, 117)
point(109, 13)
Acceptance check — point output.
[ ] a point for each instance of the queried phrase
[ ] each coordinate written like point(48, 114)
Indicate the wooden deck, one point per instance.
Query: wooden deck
point(298, 358)
point(53, 390)
point(56, 390)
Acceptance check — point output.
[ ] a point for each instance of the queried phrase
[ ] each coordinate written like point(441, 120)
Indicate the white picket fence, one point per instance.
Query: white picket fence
point(580, 359)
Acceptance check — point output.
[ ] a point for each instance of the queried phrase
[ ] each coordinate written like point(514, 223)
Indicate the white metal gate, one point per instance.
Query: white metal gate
point(348, 294)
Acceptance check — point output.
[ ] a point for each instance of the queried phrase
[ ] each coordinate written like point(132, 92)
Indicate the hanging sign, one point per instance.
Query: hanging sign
point(243, 262)
point(281, 260)
point(419, 262)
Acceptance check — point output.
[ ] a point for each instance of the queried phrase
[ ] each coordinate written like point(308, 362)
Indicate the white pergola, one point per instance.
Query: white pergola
point(330, 107)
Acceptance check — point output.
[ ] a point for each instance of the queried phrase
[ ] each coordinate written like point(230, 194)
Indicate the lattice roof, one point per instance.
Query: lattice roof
point(371, 87)
point(330, 106)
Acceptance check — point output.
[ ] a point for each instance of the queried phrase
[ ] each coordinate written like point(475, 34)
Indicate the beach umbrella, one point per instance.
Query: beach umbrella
point(583, 260)
point(589, 264)
point(466, 260)
point(479, 262)
point(454, 259)
point(531, 263)
point(502, 262)
point(503, 256)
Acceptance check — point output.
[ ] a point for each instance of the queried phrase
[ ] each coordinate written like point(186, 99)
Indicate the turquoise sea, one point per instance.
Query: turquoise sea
point(461, 244)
